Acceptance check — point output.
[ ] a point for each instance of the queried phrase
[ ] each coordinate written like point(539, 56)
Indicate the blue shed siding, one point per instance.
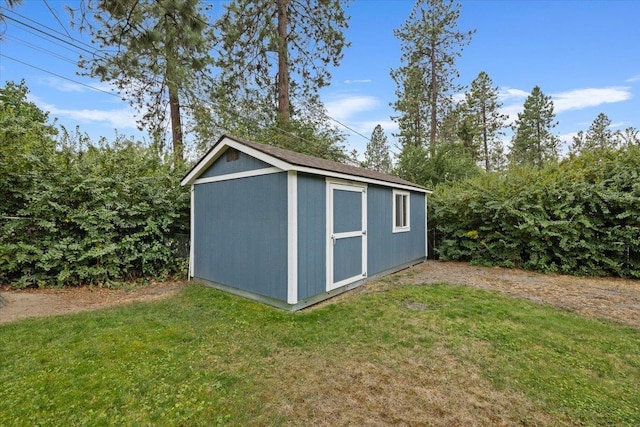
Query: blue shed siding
point(243, 164)
point(311, 235)
point(387, 249)
point(241, 234)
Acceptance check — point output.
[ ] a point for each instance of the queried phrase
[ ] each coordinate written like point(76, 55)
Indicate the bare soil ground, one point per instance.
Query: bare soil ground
point(25, 303)
point(609, 298)
point(600, 297)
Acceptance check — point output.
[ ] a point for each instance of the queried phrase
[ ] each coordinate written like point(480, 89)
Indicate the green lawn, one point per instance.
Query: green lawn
point(406, 355)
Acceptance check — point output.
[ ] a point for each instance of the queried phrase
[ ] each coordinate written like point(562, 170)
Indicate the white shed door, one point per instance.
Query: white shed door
point(346, 234)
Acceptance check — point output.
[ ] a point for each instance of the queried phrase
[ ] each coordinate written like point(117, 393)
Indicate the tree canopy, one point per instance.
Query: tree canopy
point(533, 142)
point(155, 52)
point(430, 42)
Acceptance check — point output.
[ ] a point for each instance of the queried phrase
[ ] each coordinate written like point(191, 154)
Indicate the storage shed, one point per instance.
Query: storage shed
point(291, 230)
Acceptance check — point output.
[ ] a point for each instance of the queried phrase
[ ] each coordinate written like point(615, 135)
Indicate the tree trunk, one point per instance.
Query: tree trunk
point(484, 137)
point(434, 104)
point(176, 124)
point(283, 64)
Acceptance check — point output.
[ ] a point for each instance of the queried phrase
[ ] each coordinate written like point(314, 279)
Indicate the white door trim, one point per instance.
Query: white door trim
point(332, 185)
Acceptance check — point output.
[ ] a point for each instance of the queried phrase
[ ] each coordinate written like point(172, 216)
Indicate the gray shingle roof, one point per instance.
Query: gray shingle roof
point(304, 160)
point(317, 163)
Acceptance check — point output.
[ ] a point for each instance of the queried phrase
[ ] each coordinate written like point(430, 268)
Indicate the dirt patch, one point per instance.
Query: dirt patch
point(609, 298)
point(21, 304)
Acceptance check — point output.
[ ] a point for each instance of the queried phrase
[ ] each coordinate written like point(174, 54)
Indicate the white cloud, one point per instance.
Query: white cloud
point(345, 107)
point(67, 86)
point(511, 111)
point(121, 118)
point(619, 124)
point(508, 93)
point(578, 99)
point(358, 81)
point(458, 97)
point(366, 127)
point(635, 78)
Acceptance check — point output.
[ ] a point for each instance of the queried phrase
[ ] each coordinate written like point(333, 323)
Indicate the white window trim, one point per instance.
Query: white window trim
point(407, 227)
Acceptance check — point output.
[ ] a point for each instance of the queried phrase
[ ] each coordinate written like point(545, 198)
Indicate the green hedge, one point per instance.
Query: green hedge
point(98, 215)
point(581, 216)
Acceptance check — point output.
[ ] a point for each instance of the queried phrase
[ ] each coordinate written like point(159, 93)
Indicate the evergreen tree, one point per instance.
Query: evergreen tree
point(156, 52)
point(288, 42)
point(598, 136)
point(533, 143)
point(376, 156)
point(425, 81)
point(630, 136)
point(484, 110)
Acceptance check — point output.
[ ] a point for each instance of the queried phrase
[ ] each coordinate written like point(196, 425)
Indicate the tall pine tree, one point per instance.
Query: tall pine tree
point(431, 42)
point(598, 136)
point(533, 142)
point(156, 52)
point(273, 52)
point(376, 156)
point(483, 109)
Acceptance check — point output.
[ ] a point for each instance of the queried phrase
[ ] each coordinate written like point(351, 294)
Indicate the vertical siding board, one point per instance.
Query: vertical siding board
point(387, 249)
point(241, 238)
point(243, 164)
point(311, 236)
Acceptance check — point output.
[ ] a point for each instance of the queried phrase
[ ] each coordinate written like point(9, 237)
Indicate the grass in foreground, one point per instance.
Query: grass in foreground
point(412, 355)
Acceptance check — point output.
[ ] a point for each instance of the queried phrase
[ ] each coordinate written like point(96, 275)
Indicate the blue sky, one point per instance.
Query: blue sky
point(585, 54)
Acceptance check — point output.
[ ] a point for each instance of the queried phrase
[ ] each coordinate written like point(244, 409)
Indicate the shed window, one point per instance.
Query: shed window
point(401, 212)
point(232, 154)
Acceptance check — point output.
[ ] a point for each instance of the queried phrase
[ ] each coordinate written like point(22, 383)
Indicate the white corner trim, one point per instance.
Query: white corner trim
point(238, 175)
point(191, 232)
point(426, 227)
point(292, 237)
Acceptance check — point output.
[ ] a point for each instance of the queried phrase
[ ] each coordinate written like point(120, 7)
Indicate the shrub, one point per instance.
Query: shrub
point(97, 215)
point(581, 216)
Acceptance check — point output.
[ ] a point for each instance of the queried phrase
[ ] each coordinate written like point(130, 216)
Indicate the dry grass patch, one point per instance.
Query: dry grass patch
point(408, 388)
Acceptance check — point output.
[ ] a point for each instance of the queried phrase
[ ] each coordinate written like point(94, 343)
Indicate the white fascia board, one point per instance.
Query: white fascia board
point(238, 175)
point(214, 154)
point(359, 179)
point(280, 164)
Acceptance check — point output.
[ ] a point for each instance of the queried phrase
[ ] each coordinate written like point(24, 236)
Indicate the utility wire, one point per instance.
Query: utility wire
point(47, 27)
point(55, 15)
point(95, 52)
point(41, 49)
point(50, 35)
point(62, 77)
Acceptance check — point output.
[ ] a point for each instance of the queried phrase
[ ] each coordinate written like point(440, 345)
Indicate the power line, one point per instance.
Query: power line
point(95, 52)
point(41, 49)
point(62, 77)
point(50, 35)
point(57, 18)
point(47, 27)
